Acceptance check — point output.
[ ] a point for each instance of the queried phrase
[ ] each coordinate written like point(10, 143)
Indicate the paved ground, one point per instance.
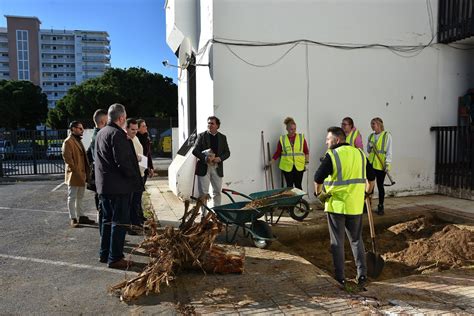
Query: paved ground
point(48, 268)
point(280, 283)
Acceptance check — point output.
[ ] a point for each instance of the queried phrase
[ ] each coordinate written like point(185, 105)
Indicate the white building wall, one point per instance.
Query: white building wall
point(318, 85)
point(205, 105)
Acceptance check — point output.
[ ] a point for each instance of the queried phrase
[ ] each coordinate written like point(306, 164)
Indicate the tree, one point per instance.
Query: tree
point(22, 104)
point(143, 93)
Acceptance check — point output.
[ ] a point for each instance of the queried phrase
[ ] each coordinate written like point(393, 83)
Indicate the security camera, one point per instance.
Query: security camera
point(165, 63)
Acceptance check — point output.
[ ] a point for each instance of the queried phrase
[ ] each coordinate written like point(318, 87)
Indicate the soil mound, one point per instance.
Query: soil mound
point(451, 247)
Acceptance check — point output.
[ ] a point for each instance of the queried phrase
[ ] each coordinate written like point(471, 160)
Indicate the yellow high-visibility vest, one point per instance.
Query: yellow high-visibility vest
point(292, 155)
point(350, 139)
point(346, 184)
point(381, 147)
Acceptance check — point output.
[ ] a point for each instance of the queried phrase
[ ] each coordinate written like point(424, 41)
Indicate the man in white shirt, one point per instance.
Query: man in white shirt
point(136, 210)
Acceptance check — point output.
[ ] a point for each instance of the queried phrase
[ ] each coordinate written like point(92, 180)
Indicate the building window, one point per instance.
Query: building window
point(22, 55)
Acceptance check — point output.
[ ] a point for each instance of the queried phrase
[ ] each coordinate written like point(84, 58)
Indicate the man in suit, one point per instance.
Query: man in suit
point(76, 172)
point(116, 177)
point(211, 149)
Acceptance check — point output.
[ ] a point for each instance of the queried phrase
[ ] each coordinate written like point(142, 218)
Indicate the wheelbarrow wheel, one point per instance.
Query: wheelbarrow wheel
point(300, 211)
point(261, 229)
point(261, 243)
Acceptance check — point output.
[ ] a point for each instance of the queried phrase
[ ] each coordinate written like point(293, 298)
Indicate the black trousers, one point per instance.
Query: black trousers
point(294, 178)
point(352, 226)
point(380, 177)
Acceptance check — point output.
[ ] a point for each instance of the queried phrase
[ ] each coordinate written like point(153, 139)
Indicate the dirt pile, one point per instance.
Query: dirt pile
point(430, 248)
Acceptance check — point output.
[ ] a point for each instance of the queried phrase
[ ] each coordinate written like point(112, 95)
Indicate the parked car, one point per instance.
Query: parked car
point(24, 150)
point(6, 149)
point(54, 151)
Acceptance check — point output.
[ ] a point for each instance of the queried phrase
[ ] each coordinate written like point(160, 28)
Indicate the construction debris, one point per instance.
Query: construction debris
point(189, 246)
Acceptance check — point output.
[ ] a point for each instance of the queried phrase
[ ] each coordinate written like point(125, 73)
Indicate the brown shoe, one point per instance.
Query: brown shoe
point(121, 264)
point(85, 220)
point(74, 223)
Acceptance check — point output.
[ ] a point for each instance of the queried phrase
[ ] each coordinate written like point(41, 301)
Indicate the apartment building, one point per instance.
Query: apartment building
point(53, 59)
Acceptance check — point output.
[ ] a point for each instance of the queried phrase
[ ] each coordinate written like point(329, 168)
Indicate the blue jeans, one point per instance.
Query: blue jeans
point(115, 216)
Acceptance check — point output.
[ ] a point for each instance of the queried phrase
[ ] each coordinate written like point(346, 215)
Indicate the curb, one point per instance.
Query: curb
point(40, 177)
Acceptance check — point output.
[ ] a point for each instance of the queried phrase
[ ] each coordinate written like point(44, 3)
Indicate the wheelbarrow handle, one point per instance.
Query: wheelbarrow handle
point(228, 192)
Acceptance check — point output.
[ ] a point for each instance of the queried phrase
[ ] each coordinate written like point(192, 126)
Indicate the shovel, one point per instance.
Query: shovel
point(375, 262)
point(392, 182)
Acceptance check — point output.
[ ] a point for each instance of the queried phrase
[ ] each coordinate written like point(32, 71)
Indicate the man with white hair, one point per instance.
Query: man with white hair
point(117, 177)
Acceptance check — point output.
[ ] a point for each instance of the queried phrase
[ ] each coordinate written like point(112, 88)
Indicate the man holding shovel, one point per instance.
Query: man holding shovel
point(348, 178)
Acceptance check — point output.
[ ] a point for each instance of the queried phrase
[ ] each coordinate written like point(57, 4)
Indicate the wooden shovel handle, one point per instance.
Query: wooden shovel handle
point(371, 219)
point(371, 223)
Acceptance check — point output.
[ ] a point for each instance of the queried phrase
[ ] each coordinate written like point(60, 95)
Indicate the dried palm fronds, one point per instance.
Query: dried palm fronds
point(189, 246)
point(267, 200)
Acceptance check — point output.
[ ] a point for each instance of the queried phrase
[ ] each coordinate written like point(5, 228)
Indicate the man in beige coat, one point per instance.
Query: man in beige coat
point(76, 172)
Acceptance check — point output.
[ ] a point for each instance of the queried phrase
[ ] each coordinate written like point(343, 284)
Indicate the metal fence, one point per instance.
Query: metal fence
point(30, 152)
point(159, 130)
point(454, 156)
point(455, 20)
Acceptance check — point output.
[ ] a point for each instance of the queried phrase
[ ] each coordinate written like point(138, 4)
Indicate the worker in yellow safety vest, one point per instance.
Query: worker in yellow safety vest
point(380, 141)
point(353, 136)
point(293, 151)
point(348, 178)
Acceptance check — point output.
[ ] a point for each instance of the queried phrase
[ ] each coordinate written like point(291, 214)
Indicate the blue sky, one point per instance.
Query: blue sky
point(137, 28)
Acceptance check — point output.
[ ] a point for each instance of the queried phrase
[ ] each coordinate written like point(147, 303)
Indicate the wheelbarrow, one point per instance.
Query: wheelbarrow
point(279, 200)
point(243, 217)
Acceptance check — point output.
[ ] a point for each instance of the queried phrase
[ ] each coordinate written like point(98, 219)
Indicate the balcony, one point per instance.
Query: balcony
point(58, 60)
point(95, 39)
point(95, 49)
point(57, 51)
point(60, 79)
point(58, 70)
point(61, 42)
point(455, 21)
point(60, 89)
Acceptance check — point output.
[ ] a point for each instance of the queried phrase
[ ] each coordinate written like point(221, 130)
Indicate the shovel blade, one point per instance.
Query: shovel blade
point(375, 264)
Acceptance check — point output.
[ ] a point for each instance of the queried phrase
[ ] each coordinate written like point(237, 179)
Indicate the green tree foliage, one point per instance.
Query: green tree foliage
point(22, 104)
point(143, 93)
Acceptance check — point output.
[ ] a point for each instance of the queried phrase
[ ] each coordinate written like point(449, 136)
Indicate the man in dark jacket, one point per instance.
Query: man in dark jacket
point(100, 120)
point(211, 149)
point(145, 140)
point(116, 176)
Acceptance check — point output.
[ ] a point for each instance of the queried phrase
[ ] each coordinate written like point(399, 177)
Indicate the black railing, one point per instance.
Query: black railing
point(454, 156)
point(31, 152)
point(455, 20)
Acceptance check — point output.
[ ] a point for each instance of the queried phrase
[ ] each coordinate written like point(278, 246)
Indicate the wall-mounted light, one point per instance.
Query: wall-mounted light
point(167, 64)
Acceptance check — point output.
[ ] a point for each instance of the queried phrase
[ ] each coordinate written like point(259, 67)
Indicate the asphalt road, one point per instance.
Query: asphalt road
point(46, 267)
